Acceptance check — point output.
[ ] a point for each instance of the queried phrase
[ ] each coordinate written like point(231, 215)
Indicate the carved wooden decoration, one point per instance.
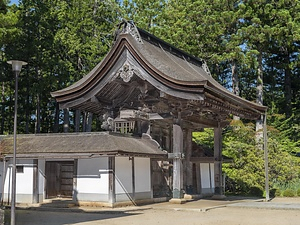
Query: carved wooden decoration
point(126, 72)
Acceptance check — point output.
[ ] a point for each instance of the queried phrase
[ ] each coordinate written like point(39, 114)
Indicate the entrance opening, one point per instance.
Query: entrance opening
point(59, 179)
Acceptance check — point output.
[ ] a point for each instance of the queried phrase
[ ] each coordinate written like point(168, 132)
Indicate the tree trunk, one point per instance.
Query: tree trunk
point(56, 118)
point(287, 87)
point(2, 109)
point(66, 120)
point(259, 98)
point(27, 113)
point(235, 83)
point(38, 110)
point(38, 115)
point(77, 120)
point(84, 122)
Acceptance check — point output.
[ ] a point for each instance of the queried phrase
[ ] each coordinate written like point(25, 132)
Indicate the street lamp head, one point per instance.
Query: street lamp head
point(17, 65)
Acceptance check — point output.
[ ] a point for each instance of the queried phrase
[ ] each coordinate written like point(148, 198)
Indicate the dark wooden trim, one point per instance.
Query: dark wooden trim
point(35, 173)
point(203, 159)
point(210, 177)
point(218, 160)
point(133, 177)
point(87, 155)
point(177, 163)
point(188, 163)
point(198, 178)
point(75, 173)
point(151, 177)
point(111, 180)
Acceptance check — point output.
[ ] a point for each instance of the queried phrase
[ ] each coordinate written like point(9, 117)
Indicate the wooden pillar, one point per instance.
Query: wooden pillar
point(177, 163)
point(218, 163)
point(133, 177)
point(210, 177)
point(66, 120)
point(35, 196)
point(77, 120)
point(89, 119)
point(75, 175)
point(151, 177)
point(188, 163)
point(111, 180)
point(198, 178)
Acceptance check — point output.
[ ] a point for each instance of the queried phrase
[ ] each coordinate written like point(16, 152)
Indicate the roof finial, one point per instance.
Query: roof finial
point(205, 67)
point(128, 27)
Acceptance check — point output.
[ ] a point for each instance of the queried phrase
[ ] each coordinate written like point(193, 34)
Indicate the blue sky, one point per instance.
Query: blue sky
point(14, 1)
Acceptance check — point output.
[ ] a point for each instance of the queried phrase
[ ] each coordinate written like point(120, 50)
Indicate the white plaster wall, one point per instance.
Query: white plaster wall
point(123, 175)
point(89, 179)
point(142, 174)
point(24, 181)
point(205, 179)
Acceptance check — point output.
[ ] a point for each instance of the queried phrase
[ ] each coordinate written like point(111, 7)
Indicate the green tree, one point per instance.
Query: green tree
point(84, 36)
point(144, 13)
point(61, 41)
point(286, 41)
point(8, 35)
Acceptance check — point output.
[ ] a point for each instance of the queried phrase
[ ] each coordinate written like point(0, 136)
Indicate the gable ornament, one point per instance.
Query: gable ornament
point(126, 72)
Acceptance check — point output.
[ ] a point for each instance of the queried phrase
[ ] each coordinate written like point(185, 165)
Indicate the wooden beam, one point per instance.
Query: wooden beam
point(177, 164)
point(111, 180)
point(188, 163)
point(133, 178)
point(218, 163)
point(203, 159)
point(75, 173)
point(35, 196)
point(198, 178)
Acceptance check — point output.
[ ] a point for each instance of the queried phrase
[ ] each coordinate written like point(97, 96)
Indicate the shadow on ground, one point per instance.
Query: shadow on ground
point(64, 211)
point(29, 217)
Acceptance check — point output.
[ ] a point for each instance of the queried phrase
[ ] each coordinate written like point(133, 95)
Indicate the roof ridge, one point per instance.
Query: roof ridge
point(129, 27)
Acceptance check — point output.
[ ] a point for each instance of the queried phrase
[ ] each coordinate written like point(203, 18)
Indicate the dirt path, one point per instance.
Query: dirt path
point(218, 216)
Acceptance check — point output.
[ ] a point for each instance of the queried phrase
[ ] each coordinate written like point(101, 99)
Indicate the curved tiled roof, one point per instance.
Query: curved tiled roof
point(165, 67)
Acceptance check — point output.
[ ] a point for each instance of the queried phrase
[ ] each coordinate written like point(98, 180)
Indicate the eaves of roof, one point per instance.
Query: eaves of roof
point(78, 145)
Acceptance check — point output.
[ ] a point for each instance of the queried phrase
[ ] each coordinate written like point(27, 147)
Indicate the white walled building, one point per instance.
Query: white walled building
point(100, 168)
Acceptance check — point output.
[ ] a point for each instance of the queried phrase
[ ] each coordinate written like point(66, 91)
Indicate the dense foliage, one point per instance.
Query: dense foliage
point(251, 47)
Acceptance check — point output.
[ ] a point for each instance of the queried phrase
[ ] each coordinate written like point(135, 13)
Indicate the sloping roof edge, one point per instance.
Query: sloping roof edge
point(80, 145)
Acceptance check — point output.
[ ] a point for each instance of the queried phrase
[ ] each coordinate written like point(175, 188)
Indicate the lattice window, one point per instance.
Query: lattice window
point(124, 127)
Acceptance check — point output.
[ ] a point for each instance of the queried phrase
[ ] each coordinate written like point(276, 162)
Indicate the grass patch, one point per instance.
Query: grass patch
point(288, 189)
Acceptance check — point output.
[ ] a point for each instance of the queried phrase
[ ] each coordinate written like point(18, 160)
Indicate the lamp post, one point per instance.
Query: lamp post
point(16, 68)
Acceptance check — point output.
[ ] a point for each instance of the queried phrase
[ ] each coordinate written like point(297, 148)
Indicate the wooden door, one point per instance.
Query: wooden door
point(160, 178)
point(59, 178)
